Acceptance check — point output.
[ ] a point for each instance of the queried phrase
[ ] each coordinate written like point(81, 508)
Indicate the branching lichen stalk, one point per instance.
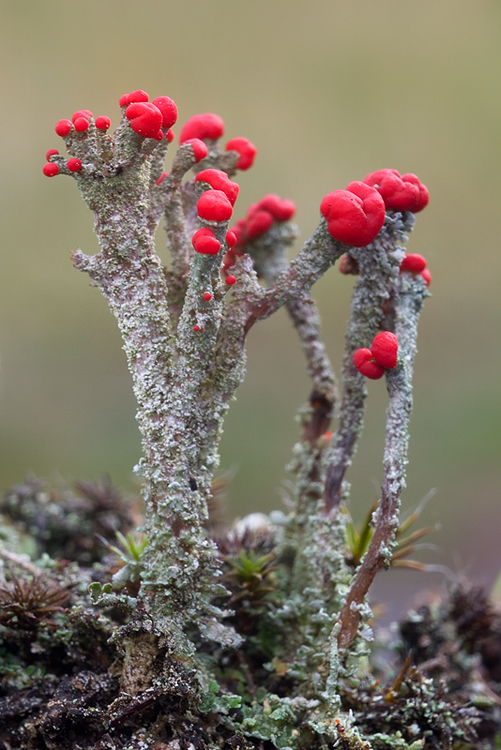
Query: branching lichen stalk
point(184, 330)
point(379, 265)
point(408, 300)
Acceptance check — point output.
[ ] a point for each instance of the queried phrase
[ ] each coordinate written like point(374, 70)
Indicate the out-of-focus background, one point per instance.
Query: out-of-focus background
point(328, 90)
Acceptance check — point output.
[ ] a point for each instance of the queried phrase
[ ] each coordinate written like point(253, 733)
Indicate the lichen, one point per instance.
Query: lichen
point(260, 635)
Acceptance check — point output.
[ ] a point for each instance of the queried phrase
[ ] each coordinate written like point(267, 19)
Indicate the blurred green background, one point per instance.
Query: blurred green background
point(328, 90)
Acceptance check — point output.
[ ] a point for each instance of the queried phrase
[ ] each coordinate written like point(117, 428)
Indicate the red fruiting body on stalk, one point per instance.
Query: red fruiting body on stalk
point(81, 124)
point(348, 265)
point(200, 150)
point(260, 217)
point(134, 96)
point(399, 192)
point(85, 113)
point(280, 208)
point(258, 224)
point(63, 127)
point(205, 242)
point(231, 238)
point(426, 276)
point(230, 280)
point(103, 122)
point(239, 231)
point(145, 119)
point(50, 170)
point(384, 349)
point(246, 149)
point(205, 127)
point(168, 109)
point(74, 165)
point(413, 262)
point(213, 205)
point(355, 215)
point(51, 152)
point(365, 364)
point(207, 296)
point(219, 181)
point(161, 178)
point(229, 260)
point(423, 197)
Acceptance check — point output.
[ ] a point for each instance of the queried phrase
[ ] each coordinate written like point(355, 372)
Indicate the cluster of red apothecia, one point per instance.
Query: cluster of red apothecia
point(412, 262)
point(260, 217)
point(153, 120)
point(382, 356)
point(374, 361)
point(354, 216)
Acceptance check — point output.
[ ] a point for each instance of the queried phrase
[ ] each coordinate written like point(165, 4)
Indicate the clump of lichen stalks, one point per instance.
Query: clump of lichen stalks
point(173, 630)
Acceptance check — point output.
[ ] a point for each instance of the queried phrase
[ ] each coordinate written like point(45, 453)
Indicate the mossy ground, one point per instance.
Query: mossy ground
point(434, 680)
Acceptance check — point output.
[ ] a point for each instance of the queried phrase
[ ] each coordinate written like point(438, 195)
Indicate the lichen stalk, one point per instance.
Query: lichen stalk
point(293, 681)
point(379, 266)
point(270, 261)
point(132, 279)
point(407, 304)
point(318, 253)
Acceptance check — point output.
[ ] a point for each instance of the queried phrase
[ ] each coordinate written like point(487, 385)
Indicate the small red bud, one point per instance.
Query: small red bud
point(323, 440)
point(200, 150)
point(63, 127)
point(229, 260)
point(161, 178)
point(239, 230)
point(145, 119)
point(51, 152)
point(354, 216)
point(258, 224)
point(103, 122)
point(399, 192)
point(423, 196)
point(85, 113)
point(246, 149)
point(365, 364)
point(50, 170)
point(213, 205)
point(205, 127)
point(281, 209)
point(81, 124)
point(413, 262)
point(196, 328)
point(230, 280)
point(384, 349)
point(167, 107)
point(169, 136)
point(231, 238)
point(74, 165)
point(205, 242)
point(426, 276)
point(219, 180)
point(134, 96)
point(207, 296)
point(348, 265)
